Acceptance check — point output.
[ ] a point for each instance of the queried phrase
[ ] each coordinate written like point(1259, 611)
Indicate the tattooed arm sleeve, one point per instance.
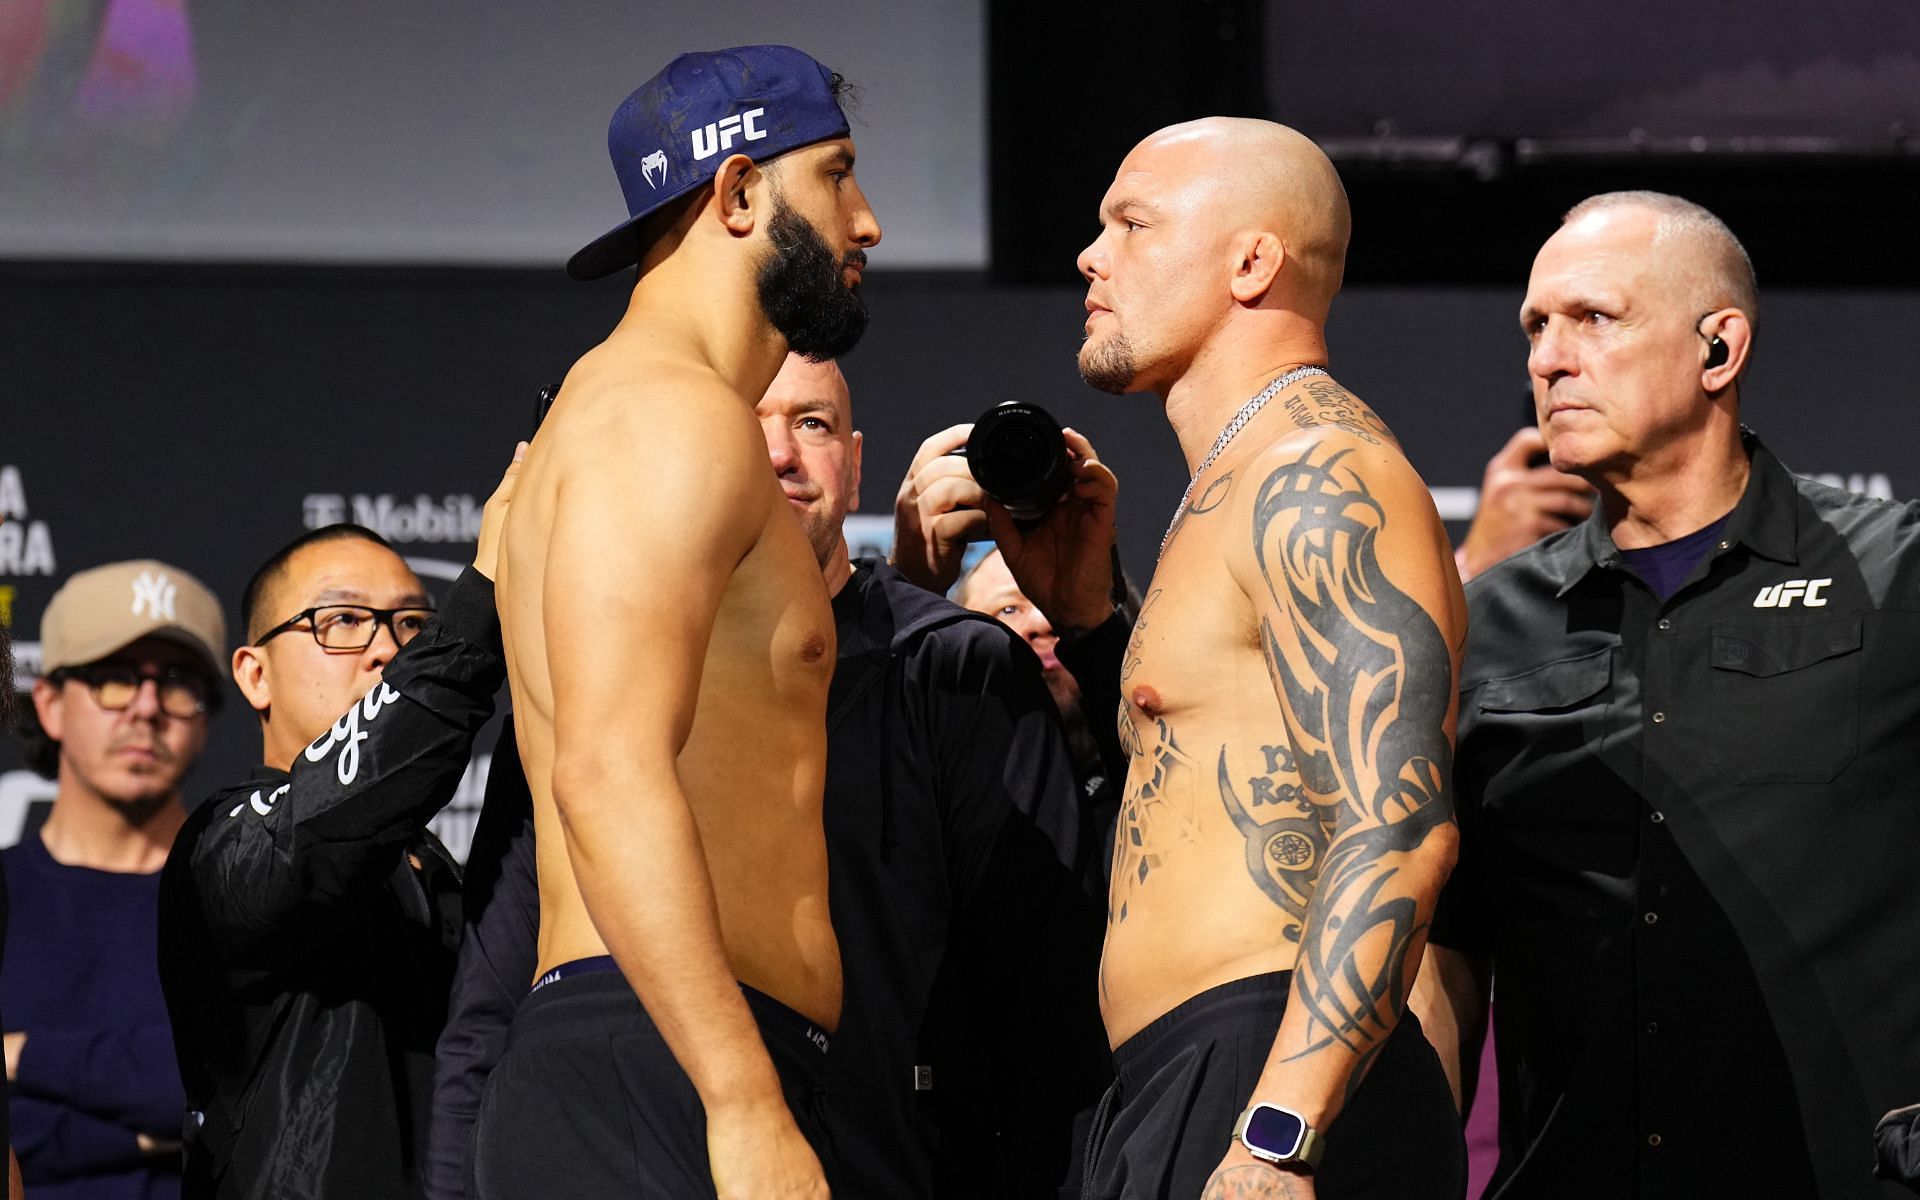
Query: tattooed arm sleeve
point(1351, 626)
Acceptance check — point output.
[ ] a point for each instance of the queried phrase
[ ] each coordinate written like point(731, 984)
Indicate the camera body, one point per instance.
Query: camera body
point(1018, 456)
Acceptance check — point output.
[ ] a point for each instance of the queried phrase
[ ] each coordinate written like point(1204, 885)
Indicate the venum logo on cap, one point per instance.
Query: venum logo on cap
point(154, 594)
point(654, 167)
point(719, 136)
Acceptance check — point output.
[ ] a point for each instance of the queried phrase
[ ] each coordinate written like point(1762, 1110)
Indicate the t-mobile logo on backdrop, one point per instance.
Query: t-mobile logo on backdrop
point(423, 519)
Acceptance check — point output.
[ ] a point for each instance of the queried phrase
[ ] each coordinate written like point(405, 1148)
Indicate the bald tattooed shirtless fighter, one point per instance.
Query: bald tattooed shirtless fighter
point(1288, 708)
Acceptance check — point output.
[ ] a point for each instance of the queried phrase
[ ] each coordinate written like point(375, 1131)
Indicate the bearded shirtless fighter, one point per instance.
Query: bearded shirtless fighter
point(669, 643)
point(1288, 706)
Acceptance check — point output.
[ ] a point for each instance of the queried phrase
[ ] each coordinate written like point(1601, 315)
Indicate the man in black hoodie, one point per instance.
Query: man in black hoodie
point(970, 1035)
point(308, 920)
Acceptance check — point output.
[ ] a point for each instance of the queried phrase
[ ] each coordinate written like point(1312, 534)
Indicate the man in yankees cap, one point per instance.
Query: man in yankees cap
point(129, 659)
point(670, 641)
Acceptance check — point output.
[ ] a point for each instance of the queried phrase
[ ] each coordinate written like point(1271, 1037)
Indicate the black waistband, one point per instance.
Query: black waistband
point(591, 995)
point(599, 964)
point(1217, 1012)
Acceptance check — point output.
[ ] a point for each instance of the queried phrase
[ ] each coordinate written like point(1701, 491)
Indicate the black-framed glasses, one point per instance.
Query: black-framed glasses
point(183, 693)
point(353, 626)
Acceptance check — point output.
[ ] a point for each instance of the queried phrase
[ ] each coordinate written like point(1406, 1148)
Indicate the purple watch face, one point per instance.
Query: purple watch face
point(1275, 1130)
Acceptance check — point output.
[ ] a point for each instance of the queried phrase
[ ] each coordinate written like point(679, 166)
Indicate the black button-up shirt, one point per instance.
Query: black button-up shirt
point(1688, 835)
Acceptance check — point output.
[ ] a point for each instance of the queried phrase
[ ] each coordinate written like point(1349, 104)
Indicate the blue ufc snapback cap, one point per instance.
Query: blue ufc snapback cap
point(676, 129)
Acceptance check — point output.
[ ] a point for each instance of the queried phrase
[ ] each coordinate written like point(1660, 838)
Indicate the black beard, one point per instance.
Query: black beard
point(1110, 367)
point(801, 291)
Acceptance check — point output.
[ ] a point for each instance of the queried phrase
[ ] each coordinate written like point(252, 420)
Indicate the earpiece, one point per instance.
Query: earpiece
point(1716, 353)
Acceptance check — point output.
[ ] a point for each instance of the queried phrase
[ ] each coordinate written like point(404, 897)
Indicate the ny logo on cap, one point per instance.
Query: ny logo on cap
point(714, 138)
point(652, 165)
point(154, 593)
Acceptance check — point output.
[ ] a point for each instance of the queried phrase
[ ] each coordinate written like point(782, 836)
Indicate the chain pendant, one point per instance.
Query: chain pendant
point(1234, 426)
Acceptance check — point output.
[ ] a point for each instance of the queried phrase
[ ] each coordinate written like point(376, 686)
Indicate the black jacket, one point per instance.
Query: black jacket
point(970, 1034)
point(305, 959)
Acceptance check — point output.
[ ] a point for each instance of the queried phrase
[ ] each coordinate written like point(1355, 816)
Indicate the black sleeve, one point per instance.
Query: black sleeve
point(282, 857)
point(1019, 990)
point(498, 953)
point(998, 751)
point(1896, 1144)
point(1094, 659)
point(1463, 919)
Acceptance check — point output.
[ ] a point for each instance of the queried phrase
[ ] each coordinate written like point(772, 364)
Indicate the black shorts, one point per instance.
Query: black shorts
point(1184, 1080)
point(588, 1103)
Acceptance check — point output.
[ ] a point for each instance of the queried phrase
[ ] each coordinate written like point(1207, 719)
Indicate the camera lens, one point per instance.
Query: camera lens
point(1019, 456)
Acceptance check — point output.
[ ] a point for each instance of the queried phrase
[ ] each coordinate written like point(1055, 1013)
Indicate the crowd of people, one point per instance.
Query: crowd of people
point(796, 876)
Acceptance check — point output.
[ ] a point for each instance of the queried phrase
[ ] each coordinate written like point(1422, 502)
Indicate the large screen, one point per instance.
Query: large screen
point(1724, 75)
point(432, 131)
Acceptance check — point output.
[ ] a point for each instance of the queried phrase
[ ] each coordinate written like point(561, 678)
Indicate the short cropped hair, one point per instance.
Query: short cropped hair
point(252, 617)
point(1728, 279)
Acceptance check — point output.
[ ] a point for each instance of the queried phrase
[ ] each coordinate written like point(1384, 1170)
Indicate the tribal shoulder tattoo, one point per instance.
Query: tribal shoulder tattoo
point(1365, 680)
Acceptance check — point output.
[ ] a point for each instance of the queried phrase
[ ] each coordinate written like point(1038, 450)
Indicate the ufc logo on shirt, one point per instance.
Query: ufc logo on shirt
point(1782, 595)
point(712, 139)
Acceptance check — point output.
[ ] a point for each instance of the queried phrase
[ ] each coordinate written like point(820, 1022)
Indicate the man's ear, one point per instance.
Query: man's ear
point(853, 501)
point(1258, 258)
point(251, 676)
point(733, 192)
point(50, 705)
point(1735, 332)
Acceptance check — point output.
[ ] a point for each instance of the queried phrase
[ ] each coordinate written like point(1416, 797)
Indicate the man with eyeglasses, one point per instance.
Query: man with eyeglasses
point(129, 654)
point(308, 919)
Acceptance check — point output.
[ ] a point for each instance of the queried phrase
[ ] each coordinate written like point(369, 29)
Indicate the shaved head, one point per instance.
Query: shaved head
point(807, 417)
point(802, 378)
point(1711, 267)
point(1265, 176)
point(1217, 225)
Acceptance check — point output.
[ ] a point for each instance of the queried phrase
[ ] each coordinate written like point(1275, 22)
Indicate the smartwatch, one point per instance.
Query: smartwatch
point(1279, 1136)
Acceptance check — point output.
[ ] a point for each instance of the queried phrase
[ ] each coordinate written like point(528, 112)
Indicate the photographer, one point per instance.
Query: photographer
point(1063, 562)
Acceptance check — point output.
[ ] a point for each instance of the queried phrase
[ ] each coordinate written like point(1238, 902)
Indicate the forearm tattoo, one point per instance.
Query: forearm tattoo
point(1366, 681)
point(1251, 1181)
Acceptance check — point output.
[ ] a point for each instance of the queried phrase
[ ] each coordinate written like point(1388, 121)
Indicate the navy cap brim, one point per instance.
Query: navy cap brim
point(618, 247)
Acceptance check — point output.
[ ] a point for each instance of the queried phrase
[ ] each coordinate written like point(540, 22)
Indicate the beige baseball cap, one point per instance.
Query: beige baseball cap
point(99, 611)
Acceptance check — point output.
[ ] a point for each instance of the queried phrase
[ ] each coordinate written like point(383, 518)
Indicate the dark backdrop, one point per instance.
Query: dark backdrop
point(206, 415)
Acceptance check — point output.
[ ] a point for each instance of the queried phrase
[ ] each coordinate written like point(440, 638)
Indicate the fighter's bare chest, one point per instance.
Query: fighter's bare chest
point(1195, 648)
point(773, 630)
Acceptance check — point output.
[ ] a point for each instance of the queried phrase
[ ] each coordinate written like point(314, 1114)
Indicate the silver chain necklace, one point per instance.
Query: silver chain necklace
point(1239, 422)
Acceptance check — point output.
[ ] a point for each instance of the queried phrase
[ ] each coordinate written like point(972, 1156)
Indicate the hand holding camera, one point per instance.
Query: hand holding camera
point(1051, 510)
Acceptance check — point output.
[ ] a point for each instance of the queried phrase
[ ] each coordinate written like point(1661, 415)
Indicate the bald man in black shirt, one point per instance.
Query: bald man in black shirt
point(1684, 769)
